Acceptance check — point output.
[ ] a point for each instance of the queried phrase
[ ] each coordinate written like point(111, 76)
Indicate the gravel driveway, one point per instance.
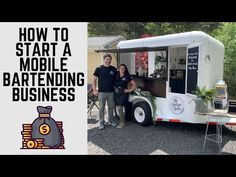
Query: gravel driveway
point(162, 139)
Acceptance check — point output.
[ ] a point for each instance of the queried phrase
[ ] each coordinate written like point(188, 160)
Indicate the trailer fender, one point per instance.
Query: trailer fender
point(135, 99)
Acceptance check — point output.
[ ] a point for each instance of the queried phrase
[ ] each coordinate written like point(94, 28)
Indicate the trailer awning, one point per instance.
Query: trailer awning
point(128, 50)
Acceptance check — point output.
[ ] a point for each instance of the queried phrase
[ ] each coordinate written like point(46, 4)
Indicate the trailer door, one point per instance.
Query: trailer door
point(193, 55)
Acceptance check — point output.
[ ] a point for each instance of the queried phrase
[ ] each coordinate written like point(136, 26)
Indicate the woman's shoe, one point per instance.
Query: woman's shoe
point(121, 125)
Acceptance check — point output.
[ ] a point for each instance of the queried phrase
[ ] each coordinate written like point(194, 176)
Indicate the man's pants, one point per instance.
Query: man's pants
point(103, 97)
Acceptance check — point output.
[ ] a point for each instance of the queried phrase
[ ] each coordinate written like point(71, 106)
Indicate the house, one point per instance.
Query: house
point(96, 59)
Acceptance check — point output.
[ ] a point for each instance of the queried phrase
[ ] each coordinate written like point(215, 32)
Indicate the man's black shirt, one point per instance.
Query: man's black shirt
point(106, 78)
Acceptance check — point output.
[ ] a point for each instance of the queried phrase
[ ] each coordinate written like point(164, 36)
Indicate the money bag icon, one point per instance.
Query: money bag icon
point(45, 127)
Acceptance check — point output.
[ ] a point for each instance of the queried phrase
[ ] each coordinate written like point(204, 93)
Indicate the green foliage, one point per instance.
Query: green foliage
point(226, 33)
point(129, 30)
point(157, 59)
point(205, 94)
point(157, 28)
point(132, 30)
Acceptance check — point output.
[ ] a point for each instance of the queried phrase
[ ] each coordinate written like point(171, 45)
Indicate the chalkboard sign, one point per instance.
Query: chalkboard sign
point(193, 54)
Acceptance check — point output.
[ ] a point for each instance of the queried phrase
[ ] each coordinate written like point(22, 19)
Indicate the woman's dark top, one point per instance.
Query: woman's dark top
point(121, 83)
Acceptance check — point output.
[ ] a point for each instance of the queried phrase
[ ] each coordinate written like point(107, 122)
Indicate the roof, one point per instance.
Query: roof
point(100, 42)
point(184, 38)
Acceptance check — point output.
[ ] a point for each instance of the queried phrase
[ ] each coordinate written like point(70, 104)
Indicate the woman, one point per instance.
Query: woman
point(122, 79)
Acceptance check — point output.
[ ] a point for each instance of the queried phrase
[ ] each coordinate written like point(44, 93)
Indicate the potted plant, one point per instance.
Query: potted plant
point(204, 95)
point(157, 61)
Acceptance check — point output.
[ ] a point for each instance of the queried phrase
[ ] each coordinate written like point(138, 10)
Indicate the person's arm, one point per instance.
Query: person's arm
point(94, 85)
point(94, 82)
point(132, 88)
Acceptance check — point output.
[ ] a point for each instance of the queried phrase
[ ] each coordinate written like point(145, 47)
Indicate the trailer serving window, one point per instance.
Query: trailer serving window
point(177, 70)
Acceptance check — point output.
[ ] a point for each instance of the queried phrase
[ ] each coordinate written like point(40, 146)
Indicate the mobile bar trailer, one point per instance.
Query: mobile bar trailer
point(170, 67)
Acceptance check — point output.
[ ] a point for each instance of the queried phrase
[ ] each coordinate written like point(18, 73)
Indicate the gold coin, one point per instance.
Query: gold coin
point(31, 144)
point(44, 129)
point(26, 133)
point(26, 125)
point(29, 130)
point(38, 139)
point(45, 147)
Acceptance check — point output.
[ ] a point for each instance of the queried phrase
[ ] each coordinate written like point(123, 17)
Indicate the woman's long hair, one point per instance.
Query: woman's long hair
point(126, 70)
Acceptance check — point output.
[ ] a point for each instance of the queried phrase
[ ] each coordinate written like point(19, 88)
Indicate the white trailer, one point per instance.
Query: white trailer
point(190, 59)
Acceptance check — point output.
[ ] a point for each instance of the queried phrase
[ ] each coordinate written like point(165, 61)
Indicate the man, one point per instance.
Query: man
point(105, 74)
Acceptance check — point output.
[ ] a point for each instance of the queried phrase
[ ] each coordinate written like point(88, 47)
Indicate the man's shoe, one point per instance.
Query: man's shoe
point(113, 124)
point(101, 127)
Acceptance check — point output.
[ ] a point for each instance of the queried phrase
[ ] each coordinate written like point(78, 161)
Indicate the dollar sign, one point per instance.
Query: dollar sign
point(44, 129)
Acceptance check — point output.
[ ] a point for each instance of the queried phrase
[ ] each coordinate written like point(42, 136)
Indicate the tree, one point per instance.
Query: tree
point(129, 30)
point(160, 28)
point(132, 30)
point(227, 35)
point(107, 28)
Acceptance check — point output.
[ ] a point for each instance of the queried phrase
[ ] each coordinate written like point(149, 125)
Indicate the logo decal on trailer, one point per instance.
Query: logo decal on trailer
point(176, 105)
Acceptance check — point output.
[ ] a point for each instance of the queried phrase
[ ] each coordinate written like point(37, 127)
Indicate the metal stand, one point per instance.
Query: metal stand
point(217, 138)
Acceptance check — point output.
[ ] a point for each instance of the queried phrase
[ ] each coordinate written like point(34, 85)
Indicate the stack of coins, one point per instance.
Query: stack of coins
point(26, 134)
point(39, 143)
point(29, 143)
point(60, 125)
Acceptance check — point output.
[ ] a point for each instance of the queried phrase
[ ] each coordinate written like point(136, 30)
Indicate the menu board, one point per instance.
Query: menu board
point(193, 56)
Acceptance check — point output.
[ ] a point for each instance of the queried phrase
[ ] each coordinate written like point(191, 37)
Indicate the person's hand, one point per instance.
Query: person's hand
point(95, 92)
point(126, 91)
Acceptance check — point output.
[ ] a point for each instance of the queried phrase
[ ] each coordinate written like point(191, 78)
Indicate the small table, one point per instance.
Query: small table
point(217, 115)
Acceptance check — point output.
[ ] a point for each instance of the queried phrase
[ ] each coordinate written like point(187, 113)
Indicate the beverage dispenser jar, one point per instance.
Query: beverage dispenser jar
point(221, 97)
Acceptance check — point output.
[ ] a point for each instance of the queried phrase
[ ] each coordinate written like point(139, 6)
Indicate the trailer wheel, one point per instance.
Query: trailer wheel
point(141, 113)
